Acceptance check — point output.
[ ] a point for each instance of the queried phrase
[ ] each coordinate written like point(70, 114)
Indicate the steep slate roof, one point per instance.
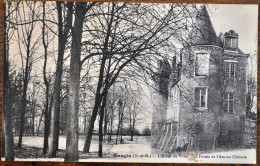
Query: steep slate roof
point(203, 32)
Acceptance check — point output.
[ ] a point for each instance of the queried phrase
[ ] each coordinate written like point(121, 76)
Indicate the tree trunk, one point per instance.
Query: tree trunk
point(130, 126)
point(55, 109)
point(121, 129)
point(98, 99)
point(74, 83)
point(101, 114)
point(7, 134)
point(132, 134)
point(46, 82)
point(119, 120)
point(106, 122)
point(33, 116)
point(117, 132)
point(111, 130)
point(22, 115)
point(26, 76)
point(133, 127)
point(46, 122)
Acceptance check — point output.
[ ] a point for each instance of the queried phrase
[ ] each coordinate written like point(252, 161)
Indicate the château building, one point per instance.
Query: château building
point(201, 103)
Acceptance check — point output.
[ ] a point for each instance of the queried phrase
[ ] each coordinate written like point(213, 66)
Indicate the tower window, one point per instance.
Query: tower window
point(201, 97)
point(202, 64)
point(229, 103)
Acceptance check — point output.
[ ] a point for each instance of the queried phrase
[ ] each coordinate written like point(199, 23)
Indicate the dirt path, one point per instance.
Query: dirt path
point(140, 145)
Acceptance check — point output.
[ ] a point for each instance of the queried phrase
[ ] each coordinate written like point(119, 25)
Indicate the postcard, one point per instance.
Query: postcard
point(129, 82)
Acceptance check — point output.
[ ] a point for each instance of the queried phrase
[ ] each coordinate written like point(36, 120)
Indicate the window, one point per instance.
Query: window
point(231, 42)
point(230, 71)
point(201, 97)
point(229, 103)
point(202, 64)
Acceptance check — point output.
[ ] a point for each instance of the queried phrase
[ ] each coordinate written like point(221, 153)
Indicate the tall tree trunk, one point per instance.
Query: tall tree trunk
point(118, 127)
point(74, 83)
point(46, 122)
point(33, 116)
point(111, 130)
point(119, 120)
point(98, 99)
point(105, 122)
point(131, 127)
point(121, 128)
point(8, 135)
point(8, 141)
point(22, 114)
point(26, 76)
point(101, 114)
point(55, 111)
point(46, 82)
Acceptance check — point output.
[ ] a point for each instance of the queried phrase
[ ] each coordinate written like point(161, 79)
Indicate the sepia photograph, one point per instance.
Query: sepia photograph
point(129, 82)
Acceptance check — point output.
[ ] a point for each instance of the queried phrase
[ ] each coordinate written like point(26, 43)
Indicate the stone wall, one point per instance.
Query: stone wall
point(211, 126)
point(158, 117)
point(206, 129)
point(249, 140)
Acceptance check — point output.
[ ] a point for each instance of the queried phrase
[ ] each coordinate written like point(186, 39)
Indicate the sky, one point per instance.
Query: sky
point(240, 18)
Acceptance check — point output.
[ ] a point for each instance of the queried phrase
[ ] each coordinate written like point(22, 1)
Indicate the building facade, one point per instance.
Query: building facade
point(201, 103)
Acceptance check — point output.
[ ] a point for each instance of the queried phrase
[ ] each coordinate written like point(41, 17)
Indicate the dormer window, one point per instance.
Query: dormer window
point(231, 41)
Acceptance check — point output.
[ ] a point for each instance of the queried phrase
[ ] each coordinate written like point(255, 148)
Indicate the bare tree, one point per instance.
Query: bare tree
point(46, 82)
point(7, 131)
point(63, 28)
point(73, 106)
point(133, 112)
point(25, 33)
point(122, 50)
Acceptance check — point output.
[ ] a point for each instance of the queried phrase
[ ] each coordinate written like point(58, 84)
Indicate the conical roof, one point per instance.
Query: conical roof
point(203, 32)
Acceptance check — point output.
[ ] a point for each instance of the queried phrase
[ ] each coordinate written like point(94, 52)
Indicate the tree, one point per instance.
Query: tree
point(123, 102)
point(74, 80)
point(133, 112)
point(125, 47)
point(46, 82)
point(111, 107)
point(63, 28)
point(25, 38)
point(7, 132)
point(146, 131)
point(101, 112)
